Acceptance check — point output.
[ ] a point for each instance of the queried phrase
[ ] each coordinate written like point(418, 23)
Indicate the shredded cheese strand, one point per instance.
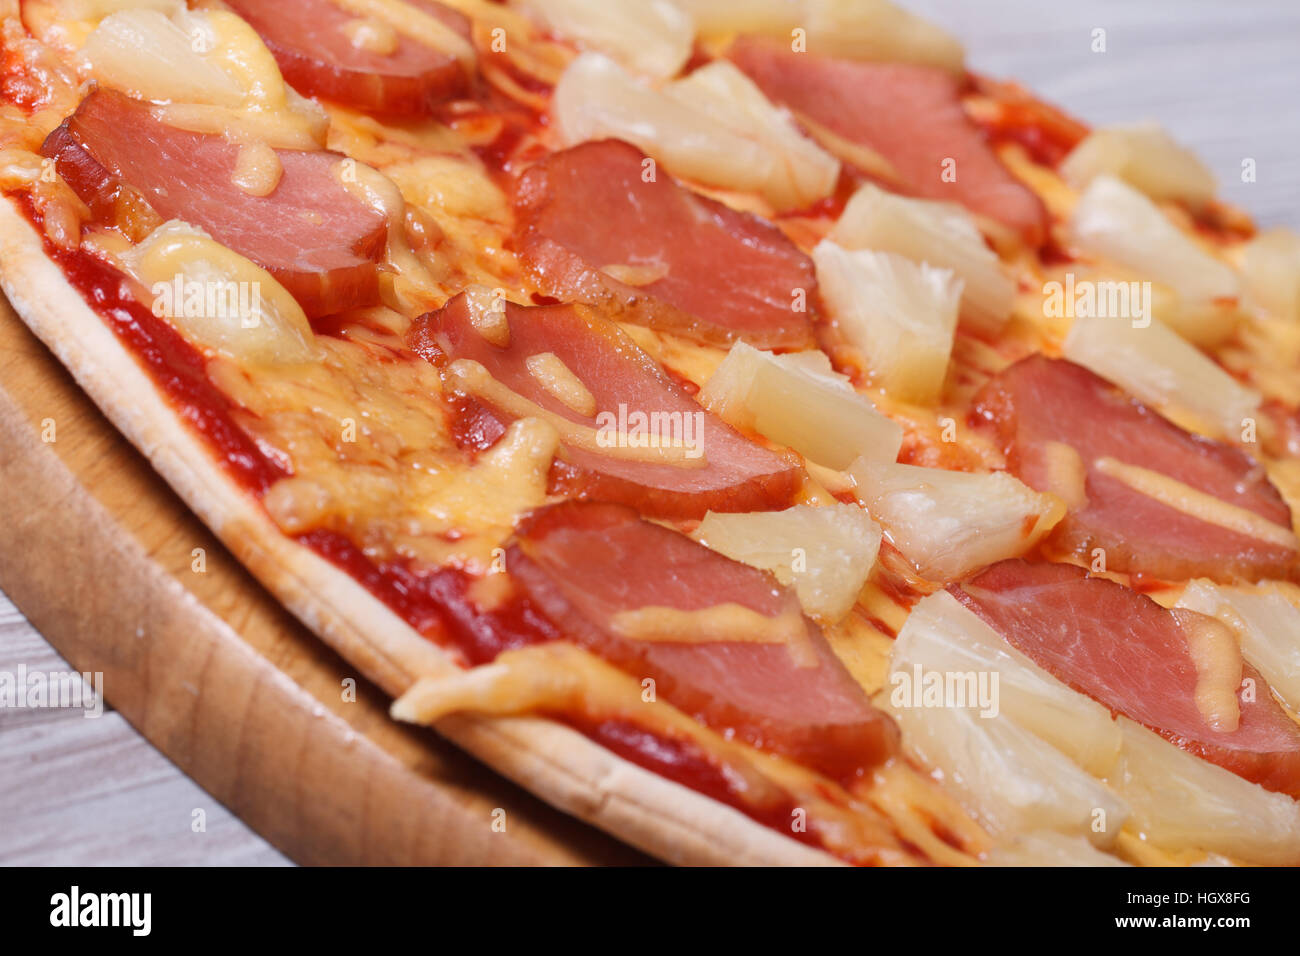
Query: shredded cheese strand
point(728, 622)
point(1196, 503)
point(473, 379)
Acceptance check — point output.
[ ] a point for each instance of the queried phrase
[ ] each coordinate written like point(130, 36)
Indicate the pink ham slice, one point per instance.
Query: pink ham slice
point(582, 563)
point(707, 271)
point(1126, 651)
point(318, 58)
point(310, 233)
point(737, 475)
point(1040, 400)
point(911, 115)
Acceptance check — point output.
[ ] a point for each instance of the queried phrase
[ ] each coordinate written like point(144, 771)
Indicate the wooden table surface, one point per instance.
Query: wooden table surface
point(1224, 77)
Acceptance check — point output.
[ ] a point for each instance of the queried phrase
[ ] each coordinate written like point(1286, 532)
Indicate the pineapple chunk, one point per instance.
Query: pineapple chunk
point(1144, 156)
point(899, 314)
point(1266, 624)
point(1180, 800)
point(824, 552)
point(1012, 781)
point(938, 233)
point(950, 523)
point(942, 636)
point(1012, 752)
point(715, 127)
point(1162, 369)
point(879, 30)
point(233, 87)
point(172, 72)
point(855, 29)
point(797, 171)
point(652, 37)
point(1115, 222)
point(725, 17)
point(1045, 848)
point(1270, 271)
point(799, 401)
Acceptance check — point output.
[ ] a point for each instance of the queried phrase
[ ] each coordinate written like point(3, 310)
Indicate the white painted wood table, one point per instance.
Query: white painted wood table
point(1224, 77)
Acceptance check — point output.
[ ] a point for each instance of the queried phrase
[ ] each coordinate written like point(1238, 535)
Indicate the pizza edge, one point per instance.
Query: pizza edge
point(550, 760)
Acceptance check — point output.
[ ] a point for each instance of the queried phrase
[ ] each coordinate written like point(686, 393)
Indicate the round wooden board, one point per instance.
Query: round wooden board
point(100, 555)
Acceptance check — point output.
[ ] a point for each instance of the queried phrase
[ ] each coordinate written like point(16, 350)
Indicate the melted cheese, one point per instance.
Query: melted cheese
point(636, 275)
point(725, 623)
point(467, 213)
point(371, 35)
point(864, 638)
point(257, 169)
point(915, 803)
point(472, 378)
point(372, 458)
point(407, 283)
point(1195, 503)
point(419, 25)
point(1066, 477)
point(692, 361)
point(854, 154)
point(240, 126)
point(546, 677)
point(506, 481)
point(1218, 663)
point(1135, 848)
point(487, 315)
point(450, 188)
point(550, 372)
point(564, 677)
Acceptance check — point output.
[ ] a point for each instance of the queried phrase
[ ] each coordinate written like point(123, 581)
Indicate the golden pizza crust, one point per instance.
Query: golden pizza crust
point(553, 761)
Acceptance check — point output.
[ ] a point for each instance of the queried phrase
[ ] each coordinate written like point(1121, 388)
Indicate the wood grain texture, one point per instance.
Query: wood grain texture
point(78, 790)
point(100, 556)
point(1223, 77)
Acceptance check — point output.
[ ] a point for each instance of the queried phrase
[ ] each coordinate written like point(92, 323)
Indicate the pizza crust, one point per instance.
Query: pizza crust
point(556, 763)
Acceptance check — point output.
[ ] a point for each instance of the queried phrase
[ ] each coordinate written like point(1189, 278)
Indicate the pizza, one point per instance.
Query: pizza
point(738, 423)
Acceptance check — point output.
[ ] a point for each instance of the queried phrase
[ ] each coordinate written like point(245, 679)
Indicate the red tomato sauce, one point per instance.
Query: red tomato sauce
point(176, 366)
point(437, 605)
point(1046, 133)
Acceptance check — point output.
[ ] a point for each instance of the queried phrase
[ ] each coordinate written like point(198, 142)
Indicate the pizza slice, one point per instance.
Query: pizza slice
point(739, 424)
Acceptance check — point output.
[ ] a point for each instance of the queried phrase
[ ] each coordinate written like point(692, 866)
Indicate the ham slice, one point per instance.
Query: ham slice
point(318, 241)
point(910, 115)
point(592, 380)
point(1126, 651)
point(591, 229)
point(311, 41)
point(1047, 411)
point(588, 565)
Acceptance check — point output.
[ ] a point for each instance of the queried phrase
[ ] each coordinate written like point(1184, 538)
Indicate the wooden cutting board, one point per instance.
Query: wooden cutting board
point(101, 557)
